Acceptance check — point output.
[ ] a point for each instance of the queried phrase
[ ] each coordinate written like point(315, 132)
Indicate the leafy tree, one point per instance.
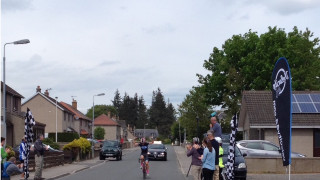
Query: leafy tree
point(246, 62)
point(99, 133)
point(193, 107)
point(102, 109)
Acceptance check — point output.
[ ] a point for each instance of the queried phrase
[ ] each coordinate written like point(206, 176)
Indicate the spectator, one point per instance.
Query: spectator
point(39, 149)
point(221, 165)
point(215, 145)
point(215, 126)
point(22, 153)
point(10, 169)
point(4, 153)
point(196, 163)
point(208, 160)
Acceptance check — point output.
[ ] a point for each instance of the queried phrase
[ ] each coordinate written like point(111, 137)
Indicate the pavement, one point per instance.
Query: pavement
point(68, 169)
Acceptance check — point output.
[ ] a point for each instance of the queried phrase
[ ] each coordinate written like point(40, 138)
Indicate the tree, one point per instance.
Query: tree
point(129, 109)
point(193, 107)
point(99, 133)
point(246, 62)
point(142, 113)
point(117, 101)
point(102, 109)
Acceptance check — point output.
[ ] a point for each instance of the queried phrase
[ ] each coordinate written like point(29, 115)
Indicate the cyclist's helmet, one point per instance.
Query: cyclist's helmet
point(143, 140)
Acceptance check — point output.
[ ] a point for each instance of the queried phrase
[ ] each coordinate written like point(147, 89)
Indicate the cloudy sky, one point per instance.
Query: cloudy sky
point(85, 47)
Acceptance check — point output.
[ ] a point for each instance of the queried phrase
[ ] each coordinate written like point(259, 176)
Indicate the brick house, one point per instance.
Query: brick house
point(257, 120)
point(111, 126)
point(82, 123)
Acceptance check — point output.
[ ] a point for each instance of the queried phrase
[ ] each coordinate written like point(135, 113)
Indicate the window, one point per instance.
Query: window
point(269, 147)
point(254, 145)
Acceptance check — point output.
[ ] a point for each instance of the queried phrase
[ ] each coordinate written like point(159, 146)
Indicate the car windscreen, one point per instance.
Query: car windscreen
point(156, 146)
point(226, 150)
point(110, 143)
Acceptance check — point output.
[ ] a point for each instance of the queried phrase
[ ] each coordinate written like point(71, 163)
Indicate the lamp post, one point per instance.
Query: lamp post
point(144, 130)
point(56, 121)
point(23, 41)
point(92, 129)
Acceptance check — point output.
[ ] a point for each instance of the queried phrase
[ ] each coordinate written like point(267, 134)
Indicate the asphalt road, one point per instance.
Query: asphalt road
point(129, 168)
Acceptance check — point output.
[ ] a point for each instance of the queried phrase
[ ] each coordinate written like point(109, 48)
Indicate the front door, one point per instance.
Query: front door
point(316, 143)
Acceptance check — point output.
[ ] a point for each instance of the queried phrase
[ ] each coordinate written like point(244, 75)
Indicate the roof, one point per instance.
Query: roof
point(77, 113)
point(11, 91)
point(83, 132)
point(257, 107)
point(104, 120)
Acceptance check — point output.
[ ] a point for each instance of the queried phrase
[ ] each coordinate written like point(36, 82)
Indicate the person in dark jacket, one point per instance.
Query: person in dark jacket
point(215, 145)
point(10, 169)
point(39, 149)
point(196, 164)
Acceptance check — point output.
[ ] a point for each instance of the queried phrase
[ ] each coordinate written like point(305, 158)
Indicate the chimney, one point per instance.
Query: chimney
point(74, 104)
point(38, 89)
point(109, 114)
point(46, 93)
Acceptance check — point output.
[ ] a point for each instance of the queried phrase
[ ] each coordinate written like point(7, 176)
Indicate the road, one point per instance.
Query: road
point(129, 168)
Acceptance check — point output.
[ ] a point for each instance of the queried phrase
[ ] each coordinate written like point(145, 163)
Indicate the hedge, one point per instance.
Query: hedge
point(64, 137)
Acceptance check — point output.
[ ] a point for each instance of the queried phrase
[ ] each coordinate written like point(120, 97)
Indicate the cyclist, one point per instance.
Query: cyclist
point(144, 153)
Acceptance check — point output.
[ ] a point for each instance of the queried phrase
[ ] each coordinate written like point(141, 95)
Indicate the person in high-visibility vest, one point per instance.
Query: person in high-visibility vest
point(221, 165)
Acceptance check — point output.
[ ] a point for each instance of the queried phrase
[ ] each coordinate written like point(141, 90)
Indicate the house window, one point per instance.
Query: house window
point(15, 104)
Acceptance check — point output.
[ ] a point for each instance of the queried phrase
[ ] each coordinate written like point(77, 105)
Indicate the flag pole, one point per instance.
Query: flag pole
point(289, 170)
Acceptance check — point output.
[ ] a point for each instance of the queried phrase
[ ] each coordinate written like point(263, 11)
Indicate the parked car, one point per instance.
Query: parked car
point(157, 151)
point(111, 149)
point(240, 167)
point(262, 148)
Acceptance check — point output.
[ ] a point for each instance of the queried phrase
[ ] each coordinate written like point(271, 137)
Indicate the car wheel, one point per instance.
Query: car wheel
point(118, 158)
point(121, 157)
point(165, 158)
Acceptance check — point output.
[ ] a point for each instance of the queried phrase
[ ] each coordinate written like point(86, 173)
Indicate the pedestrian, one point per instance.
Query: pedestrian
point(215, 146)
point(39, 149)
point(208, 159)
point(22, 153)
point(221, 165)
point(214, 125)
point(195, 151)
point(10, 169)
point(4, 153)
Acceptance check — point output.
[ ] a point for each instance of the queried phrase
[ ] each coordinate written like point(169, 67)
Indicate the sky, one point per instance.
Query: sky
point(80, 48)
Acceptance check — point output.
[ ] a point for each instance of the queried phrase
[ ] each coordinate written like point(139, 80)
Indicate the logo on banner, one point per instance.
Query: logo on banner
point(280, 81)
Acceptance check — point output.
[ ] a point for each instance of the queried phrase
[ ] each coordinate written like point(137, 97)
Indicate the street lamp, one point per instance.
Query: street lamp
point(56, 121)
point(92, 128)
point(144, 130)
point(23, 41)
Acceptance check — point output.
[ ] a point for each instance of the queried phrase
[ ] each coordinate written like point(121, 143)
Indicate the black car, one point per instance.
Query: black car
point(111, 149)
point(240, 167)
point(157, 151)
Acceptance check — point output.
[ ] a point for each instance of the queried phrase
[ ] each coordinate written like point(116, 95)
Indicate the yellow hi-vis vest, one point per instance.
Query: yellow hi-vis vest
point(220, 158)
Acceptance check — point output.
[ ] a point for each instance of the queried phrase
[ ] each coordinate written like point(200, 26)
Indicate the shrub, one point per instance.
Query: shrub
point(99, 133)
point(52, 144)
point(166, 141)
point(64, 137)
point(81, 143)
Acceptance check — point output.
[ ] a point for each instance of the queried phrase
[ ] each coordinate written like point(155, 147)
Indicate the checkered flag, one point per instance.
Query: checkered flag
point(28, 134)
point(231, 156)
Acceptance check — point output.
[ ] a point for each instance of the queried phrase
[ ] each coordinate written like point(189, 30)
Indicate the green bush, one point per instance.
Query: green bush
point(51, 143)
point(81, 143)
point(64, 137)
point(166, 141)
point(99, 133)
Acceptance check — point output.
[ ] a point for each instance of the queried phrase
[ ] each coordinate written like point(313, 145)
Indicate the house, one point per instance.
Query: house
point(147, 133)
point(125, 133)
point(49, 111)
point(111, 126)
point(82, 124)
point(257, 119)
point(14, 118)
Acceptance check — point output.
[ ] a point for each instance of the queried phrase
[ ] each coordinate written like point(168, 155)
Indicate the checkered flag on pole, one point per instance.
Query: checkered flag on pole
point(28, 134)
point(231, 156)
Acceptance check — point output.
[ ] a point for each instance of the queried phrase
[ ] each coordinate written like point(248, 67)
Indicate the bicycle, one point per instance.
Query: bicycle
point(143, 167)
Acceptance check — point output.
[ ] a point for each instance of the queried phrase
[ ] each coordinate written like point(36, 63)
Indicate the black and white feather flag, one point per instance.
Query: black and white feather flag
point(28, 134)
point(231, 156)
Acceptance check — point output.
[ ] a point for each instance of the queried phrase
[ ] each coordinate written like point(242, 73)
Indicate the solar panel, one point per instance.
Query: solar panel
point(295, 108)
point(315, 97)
point(303, 98)
point(293, 99)
point(317, 106)
point(307, 108)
